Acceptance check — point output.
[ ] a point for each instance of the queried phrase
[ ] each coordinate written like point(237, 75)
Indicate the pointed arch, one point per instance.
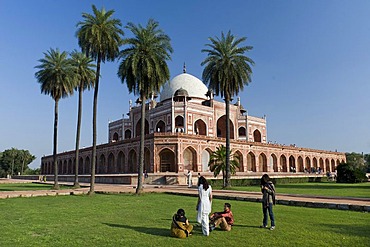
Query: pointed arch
point(300, 167)
point(332, 165)
point(179, 122)
point(262, 162)
point(128, 134)
point(221, 127)
point(308, 164)
point(132, 161)
point(251, 162)
point(138, 127)
point(101, 165)
point(206, 154)
point(314, 164)
point(167, 160)
point(87, 165)
point(111, 163)
point(147, 160)
point(321, 164)
point(120, 163)
point(160, 126)
point(200, 127)
point(274, 163)
point(239, 156)
point(292, 165)
point(190, 159)
point(327, 165)
point(257, 136)
point(242, 133)
point(81, 166)
point(283, 163)
point(115, 137)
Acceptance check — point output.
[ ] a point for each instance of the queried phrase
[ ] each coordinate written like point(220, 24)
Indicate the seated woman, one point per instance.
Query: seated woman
point(180, 227)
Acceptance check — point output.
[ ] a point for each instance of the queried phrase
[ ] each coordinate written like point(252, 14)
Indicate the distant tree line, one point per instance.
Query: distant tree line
point(354, 171)
point(14, 161)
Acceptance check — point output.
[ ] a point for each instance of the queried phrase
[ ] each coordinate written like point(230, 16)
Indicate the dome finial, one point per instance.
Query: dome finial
point(184, 68)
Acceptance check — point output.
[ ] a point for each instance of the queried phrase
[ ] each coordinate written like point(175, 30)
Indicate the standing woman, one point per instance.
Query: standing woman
point(268, 199)
point(204, 204)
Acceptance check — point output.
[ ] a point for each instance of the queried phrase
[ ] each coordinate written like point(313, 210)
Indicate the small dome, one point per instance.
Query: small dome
point(184, 83)
point(181, 92)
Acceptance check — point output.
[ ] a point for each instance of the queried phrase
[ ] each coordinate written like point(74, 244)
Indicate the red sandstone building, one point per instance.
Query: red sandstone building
point(182, 129)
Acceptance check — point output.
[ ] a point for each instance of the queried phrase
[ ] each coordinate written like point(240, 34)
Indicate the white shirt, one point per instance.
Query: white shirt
point(205, 205)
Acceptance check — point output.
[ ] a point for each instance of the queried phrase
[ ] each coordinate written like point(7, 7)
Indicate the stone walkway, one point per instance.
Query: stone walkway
point(342, 203)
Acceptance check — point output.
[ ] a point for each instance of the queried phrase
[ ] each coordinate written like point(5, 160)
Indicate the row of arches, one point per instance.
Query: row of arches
point(167, 161)
point(199, 127)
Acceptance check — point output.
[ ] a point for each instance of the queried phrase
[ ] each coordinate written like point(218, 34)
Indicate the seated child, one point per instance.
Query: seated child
point(180, 227)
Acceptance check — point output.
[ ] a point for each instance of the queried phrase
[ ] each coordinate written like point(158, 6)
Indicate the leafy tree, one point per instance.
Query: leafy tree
point(347, 173)
point(85, 75)
point(144, 69)
point(99, 36)
point(367, 159)
point(227, 71)
point(57, 80)
point(14, 161)
point(356, 160)
point(217, 163)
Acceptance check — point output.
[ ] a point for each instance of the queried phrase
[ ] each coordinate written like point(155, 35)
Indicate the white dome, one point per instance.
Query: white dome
point(194, 87)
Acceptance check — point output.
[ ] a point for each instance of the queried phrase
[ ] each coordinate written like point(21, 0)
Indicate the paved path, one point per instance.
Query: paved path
point(343, 203)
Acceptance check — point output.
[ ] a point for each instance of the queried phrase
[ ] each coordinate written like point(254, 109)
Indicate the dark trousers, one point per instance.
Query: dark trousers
point(271, 214)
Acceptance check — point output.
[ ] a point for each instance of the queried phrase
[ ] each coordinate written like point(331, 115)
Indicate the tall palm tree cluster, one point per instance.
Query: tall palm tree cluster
point(143, 68)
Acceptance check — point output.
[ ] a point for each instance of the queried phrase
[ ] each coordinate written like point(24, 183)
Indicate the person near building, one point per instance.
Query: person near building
point(223, 219)
point(189, 176)
point(180, 227)
point(204, 205)
point(268, 200)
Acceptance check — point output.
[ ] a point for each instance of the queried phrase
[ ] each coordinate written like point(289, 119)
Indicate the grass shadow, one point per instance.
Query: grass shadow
point(147, 230)
point(246, 226)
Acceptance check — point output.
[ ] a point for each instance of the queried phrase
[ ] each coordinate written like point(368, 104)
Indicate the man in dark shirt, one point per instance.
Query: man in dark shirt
point(223, 219)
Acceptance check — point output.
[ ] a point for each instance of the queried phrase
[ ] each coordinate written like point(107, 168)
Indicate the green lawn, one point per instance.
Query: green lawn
point(131, 220)
point(27, 186)
point(361, 190)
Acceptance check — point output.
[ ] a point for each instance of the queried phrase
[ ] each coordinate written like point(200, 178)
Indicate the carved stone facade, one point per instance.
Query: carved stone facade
point(182, 130)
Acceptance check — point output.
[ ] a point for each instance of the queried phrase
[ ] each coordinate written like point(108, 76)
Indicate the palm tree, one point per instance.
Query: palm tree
point(99, 36)
point(85, 75)
point(144, 68)
point(227, 71)
point(57, 80)
point(217, 162)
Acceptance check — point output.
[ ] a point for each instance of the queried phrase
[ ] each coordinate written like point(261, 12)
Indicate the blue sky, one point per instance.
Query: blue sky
point(311, 76)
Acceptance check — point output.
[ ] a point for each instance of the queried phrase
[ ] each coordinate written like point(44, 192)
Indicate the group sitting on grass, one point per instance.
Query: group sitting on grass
point(180, 225)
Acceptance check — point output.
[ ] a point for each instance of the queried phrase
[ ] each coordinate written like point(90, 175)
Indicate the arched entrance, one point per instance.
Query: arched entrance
point(273, 163)
point(205, 160)
point(221, 127)
point(160, 127)
point(251, 162)
point(308, 164)
point(300, 164)
point(292, 166)
point(257, 136)
point(190, 160)
point(101, 167)
point(147, 160)
point(262, 161)
point(327, 165)
point(167, 161)
point(132, 161)
point(239, 157)
point(120, 163)
point(115, 137)
point(283, 163)
point(138, 127)
point(111, 164)
point(87, 165)
point(200, 128)
point(127, 134)
point(242, 133)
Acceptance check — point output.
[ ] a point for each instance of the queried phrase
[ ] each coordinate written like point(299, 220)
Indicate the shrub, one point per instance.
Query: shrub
point(349, 174)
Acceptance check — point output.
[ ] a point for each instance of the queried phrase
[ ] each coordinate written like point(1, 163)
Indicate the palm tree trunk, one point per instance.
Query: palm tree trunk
point(95, 107)
point(228, 175)
point(78, 133)
point(140, 171)
point(55, 144)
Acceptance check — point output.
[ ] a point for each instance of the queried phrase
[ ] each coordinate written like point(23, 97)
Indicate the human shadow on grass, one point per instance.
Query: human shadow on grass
point(246, 226)
point(147, 230)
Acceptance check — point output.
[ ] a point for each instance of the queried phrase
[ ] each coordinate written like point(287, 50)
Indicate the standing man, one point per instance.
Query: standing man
point(189, 177)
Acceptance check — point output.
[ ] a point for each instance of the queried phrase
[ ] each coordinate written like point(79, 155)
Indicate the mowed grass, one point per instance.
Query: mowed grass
point(361, 190)
point(28, 186)
point(144, 220)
